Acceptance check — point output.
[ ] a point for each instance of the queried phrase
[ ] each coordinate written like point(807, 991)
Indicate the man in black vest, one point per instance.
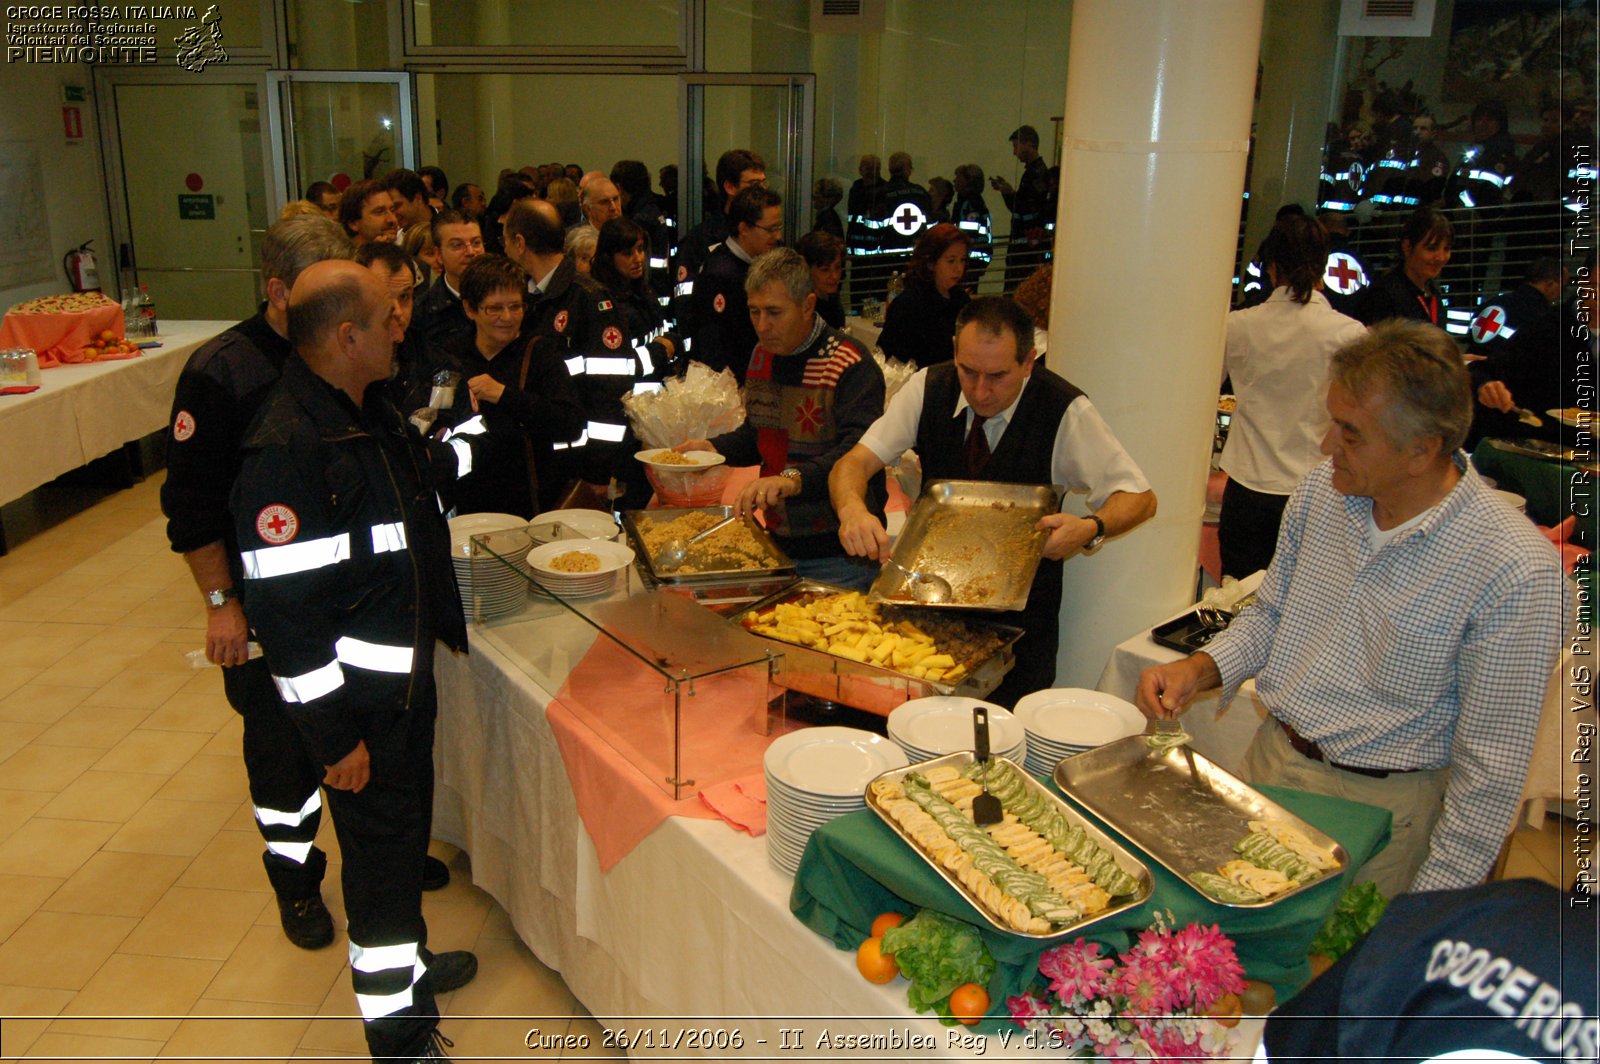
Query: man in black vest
point(991, 414)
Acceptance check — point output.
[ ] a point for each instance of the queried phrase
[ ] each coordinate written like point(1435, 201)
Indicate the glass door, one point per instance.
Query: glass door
point(189, 191)
point(340, 126)
point(769, 114)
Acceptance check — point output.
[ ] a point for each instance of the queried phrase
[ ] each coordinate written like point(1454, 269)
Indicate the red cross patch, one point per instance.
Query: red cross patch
point(1343, 274)
point(561, 321)
point(612, 337)
point(720, 303)
point(1489, 323)
point(277, 523)
point(183, 426)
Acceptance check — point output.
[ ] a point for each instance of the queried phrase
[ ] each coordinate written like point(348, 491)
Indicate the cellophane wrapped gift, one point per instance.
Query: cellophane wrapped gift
point(908, 469)
point(700, 405)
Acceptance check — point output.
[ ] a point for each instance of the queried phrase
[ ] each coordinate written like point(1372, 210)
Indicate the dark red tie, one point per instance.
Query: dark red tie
point(977, 448)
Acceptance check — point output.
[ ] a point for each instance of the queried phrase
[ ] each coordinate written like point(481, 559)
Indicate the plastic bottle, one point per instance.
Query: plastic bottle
point(147, 312)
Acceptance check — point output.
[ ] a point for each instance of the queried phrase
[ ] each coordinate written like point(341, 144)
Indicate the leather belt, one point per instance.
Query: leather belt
point(1306, 748)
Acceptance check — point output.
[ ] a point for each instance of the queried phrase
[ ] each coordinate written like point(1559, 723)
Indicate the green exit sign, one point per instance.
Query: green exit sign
point(192, 208)
point(74, 94)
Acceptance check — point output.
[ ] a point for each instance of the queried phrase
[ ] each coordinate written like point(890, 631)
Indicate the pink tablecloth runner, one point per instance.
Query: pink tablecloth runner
point(614, 726)
point(60, 338)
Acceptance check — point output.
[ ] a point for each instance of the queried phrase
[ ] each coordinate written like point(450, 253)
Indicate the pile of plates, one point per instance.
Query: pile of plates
point(554, 525)
point(814, 775)
point(489, 586)
point(1064, 721)
point(613, 559)
point(926, 728)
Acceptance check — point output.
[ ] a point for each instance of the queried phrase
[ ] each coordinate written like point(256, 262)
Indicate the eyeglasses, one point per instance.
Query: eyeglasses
point(502, 310)
point(463, 245)
point(772, 230)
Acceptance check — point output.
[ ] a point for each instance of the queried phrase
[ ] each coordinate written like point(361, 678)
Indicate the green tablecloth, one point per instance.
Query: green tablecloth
point(855, 867)
point(1544, 483)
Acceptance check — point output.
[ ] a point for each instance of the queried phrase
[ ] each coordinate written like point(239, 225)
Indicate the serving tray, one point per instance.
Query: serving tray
point(1180, 808)
point(1119, 853)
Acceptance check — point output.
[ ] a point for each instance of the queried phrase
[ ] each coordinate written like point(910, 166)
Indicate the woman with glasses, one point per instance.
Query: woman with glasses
point(523, 390)
point(921, 324)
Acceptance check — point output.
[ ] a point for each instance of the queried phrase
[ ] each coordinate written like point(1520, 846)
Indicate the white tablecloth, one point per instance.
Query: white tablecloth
point(84, 411)
point(692, 923)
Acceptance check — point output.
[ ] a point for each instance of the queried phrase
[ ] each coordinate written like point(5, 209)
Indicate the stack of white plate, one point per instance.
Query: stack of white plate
point(489, 586)
point(613, 559)
point(814, 775)
point(554, 525)
point(926, 728)
point(1064, 721)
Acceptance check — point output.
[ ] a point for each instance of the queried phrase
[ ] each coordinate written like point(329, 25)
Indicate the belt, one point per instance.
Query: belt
point(1306, 748)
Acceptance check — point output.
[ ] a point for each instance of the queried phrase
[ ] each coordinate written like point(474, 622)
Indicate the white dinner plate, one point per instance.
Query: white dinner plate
point(1073, 716)
point(701, 460)
point(613, 557)
point(464, 527)
point(831, 760)
point(942, 724)
point(1573, 417)
point(587, 524)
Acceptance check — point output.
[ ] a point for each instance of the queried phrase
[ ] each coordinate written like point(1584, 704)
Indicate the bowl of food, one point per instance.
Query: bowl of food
point(680, 461)
point(578, 567)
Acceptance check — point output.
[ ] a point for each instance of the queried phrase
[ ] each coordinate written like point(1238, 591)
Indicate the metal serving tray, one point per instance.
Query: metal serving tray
point(1180, 808)
point(866, 686)
point(1125, 860)
point(690, 577)
point(977, 534)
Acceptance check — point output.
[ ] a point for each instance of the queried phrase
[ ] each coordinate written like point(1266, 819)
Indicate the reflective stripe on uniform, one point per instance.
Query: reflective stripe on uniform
point(388, 537)
point(658, 264)
point(606, 431)
point(374, 657)
point(579, 442)
point(463, 451)
point(372, 960)
point(575, 365)
point(647, 365)
point(267, 562)
point(310, 686)
point(609, 366)
point(382, 958)
point(286, 819)
point(1488, 177)
point(647, 387)
point(683, 288)
point(294, 851)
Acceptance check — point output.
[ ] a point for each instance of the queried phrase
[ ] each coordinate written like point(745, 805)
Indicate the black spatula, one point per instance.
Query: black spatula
point(985, 807)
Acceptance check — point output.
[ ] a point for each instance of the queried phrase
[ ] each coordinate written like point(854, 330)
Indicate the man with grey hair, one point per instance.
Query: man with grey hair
point(810, 392)
point(217, 397)
point(1407, 627)
point(600, 200)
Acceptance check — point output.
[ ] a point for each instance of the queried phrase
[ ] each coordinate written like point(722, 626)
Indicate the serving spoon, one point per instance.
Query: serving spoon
point(675, 551)
point(928, 589)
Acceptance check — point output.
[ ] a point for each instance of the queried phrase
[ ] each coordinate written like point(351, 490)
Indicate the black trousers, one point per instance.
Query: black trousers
point(284, 782)
point(1247, 530)
point(383, 838)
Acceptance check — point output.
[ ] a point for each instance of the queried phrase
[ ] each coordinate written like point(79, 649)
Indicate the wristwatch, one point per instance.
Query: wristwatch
point(1099, 533)
point(792, 474)
point(219, 598)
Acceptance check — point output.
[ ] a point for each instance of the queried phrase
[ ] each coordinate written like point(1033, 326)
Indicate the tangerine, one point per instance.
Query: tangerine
point(885, 921)
point(969, 1002)
point(875, 965)
point(1227, 1010)
point(107, 335)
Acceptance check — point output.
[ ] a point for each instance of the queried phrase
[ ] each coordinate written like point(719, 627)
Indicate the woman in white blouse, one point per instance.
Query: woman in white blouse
point(1277, 358)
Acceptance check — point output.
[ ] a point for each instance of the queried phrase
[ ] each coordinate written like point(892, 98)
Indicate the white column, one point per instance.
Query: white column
point(1157, 129)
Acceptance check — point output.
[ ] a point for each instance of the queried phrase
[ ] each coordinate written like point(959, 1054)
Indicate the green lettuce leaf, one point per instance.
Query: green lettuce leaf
point(1356, 912)
point(938, 953)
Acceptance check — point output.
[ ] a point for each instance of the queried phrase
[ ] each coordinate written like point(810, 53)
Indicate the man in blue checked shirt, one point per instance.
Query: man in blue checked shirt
point(1406, 630)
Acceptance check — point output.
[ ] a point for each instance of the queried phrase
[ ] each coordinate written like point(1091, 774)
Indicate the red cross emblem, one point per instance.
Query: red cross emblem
point(612, 337)
point(908, 219)
point(561, 321)
point(1489, 323)
point(1343, 274)
point(808, 416)
point(720, 303)
point(183, 426)
point(277, 523)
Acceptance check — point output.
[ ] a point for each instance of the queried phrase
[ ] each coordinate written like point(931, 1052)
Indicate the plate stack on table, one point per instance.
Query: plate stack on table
point(612, 558)
point(489, 586)
point(554, 525)
point(815, 775)
point(1064, 721)
point(926, 728)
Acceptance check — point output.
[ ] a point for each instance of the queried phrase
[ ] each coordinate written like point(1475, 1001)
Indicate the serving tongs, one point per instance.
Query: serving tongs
point(986, 808)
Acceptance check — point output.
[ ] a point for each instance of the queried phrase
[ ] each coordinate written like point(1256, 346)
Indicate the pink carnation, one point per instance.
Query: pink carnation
point(1026, 1009)
point(1147, 983)
point(1208, 965)
point(1167, 1044)
point(1076, 970)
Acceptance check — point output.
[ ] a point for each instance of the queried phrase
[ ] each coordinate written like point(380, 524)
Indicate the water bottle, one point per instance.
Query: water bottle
point(147, 312)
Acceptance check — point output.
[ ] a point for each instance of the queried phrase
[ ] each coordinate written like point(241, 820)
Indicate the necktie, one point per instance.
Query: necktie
point(976, 450)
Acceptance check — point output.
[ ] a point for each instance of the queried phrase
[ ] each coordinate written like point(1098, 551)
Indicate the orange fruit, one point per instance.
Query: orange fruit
point(875, 965)
point(886, 921)
point(968, 1003)
point(1258, 998)
point(107, 335)
point(1226, 1010)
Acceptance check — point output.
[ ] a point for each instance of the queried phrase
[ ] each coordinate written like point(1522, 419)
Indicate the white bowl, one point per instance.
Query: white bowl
point(701, 460)
point(590, 524)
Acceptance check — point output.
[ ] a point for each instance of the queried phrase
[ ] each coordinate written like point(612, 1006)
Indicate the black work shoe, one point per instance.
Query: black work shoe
point(451, 970)
point(306, 921)
point(436, 1046)
point(435, 873)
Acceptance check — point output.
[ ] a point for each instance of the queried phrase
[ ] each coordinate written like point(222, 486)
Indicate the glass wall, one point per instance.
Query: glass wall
point(548, 24)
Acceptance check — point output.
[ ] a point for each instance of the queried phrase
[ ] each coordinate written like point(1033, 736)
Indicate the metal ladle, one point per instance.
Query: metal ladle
point(926, 588)
point(675, 551)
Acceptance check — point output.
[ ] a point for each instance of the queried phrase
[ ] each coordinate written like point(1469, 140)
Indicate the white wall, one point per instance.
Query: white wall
point(73, 190)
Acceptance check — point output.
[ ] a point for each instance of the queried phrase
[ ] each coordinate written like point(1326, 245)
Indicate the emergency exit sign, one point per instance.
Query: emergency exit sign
point(192, 208)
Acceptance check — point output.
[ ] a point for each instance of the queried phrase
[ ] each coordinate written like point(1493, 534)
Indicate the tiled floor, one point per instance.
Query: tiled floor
point(135, 918)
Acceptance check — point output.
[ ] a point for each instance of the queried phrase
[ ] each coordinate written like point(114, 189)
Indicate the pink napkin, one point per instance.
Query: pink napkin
point(742, 803)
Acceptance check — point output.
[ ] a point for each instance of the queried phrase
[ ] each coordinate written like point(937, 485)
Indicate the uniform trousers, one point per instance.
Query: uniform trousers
point(1247, 528)
point(284, 782)
point(1415, 799)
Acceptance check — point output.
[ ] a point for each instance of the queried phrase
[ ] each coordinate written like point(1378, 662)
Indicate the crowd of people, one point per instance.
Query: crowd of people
point(424, 349)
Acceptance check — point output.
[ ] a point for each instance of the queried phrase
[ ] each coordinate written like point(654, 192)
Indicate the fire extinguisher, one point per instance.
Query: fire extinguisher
point(82, 274)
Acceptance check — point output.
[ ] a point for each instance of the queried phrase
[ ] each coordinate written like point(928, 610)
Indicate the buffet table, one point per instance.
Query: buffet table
point(89, 409)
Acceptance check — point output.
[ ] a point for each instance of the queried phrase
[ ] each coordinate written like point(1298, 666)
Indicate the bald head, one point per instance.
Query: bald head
point(342, 323)
point(533, 226)
point(602, 201)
